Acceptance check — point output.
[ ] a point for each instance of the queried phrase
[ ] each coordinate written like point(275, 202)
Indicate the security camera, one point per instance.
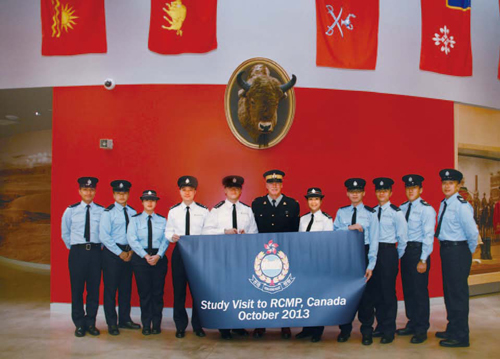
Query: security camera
point(109, 84)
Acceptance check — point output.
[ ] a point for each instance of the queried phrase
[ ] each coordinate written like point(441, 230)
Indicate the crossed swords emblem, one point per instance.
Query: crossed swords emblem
point(338, 22)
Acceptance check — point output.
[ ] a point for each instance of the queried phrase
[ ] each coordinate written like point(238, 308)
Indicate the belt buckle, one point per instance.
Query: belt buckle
point(88, 246)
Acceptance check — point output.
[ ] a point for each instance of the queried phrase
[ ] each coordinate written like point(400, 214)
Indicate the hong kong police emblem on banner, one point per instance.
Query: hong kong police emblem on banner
point(272, 270)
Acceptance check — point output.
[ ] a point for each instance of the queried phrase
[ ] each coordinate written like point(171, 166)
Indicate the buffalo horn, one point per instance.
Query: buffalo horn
point(289, 84)
point(242, 83)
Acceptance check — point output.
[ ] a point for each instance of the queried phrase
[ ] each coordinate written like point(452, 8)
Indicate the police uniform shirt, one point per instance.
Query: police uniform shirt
point(176, 220)
point(458, 222)
point(73, 223)
point(221, 218)
point(393, 227)
point(113, 227)
point(322, 222)
point(137, 235)
point(367, 218)
point(278, 200)
point(421, 224)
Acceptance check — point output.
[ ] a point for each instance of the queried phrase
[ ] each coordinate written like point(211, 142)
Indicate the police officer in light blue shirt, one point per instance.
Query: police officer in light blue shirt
point(416, 263)
point(80, 233)
point(146, 237)
point(393, 231)
point(359, 217)
point(458, 234)
point(116, 257)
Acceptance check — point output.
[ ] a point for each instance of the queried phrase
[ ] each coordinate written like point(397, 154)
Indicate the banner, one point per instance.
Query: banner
point(446, 39)
point(183, 26)
point(347, 33)
point(270, 280)
point(72, 27)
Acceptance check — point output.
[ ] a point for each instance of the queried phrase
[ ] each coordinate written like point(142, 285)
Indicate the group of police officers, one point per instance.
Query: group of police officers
point(121, 242)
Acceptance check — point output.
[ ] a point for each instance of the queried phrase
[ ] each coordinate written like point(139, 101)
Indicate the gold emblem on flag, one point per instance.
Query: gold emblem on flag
point(63, 18)
point(177, 12)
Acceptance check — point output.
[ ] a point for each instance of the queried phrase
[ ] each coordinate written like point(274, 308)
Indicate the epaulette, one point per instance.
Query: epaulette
point(461, 199)
point(74, 205)
point(137, 214)
point(305, 214)
point(345, 206)
point(404, 203)
point(98, 205)
point(370, 209)
point(159, 215)
point(424, 203)
point(110, 207)
point(327, 215)
point(219, 204)
point(175, 205)
point(131, 207)
point(245, 204)
point(201, 205)
point(396, 208)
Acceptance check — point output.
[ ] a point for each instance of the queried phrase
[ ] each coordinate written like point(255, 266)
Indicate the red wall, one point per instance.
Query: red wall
point(161, 132)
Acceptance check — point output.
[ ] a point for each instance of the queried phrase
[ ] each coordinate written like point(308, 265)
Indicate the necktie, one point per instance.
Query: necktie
point(438, 229)
point(150, 234)
point(235, 221)
point(274, 203)
point(379, 213)
point(353, 220)
point(86, 234)
point(126, 218)
point(408, 212)
point(310, 223)
point(188, 222)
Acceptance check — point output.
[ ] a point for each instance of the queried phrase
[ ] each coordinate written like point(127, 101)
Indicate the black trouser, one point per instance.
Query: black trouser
point(180, 282)
point(150, 284)
point(117, 276)
point(386, 302)
point(415, 288)
point(456, 260)
point(84, 264)
point(366, 308)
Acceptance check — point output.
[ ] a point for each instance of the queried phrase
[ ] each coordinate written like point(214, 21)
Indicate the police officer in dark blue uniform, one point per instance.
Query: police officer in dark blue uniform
point(116, 256)
point(458, 235)
point(275, 212)
point(80, 233)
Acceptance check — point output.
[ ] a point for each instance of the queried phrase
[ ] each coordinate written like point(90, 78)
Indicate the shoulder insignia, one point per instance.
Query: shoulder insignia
point(159, 215)
point(369, 209)
point(219, 204)
point(175, 205)
point(461, 199)
point(327, 215)
point(98, 205)
point(74, 205)
point(110, 207)
point(305, 214)
point(396, 208)
point(404, 203)
point(345, 206)
point(424, 203)
point(201, 205)
point(131, 207)
point(245, 204)
point(137, 214)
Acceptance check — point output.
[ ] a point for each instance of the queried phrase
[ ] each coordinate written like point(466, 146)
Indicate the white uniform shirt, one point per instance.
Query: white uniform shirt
point(176, 220)
point(322, 222)
point(221, 218)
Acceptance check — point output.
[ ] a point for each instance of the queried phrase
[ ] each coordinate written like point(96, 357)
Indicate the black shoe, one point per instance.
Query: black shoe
point(386, 339)
point(405, 331)
point(442, 335)
point(92, 330)
point(226, 335)
point(343, 337)
point(286, 333)
point(453, 343)
point(240, 332)
point(303, 334)
point(200, 333)
point(316, 338)
point(156, 330)
point(146, 331)
point(259, 332)
point(367, 340)
point(377, 334)
point(113, 330)
point(79, 332)
point(130, 325)
point(180, 334)
point(418, 338)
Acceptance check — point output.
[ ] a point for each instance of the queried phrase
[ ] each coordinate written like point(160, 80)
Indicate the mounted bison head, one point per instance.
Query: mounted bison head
point(258, 101)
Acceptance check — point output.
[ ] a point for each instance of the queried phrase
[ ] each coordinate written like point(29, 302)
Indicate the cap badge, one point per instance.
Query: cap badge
point(355, 183)
point(274, 175)
point(234, 180)
point(89, 182)
point(447, 173)
point(313, 191)
point(187, 180)
point(150, 193)
point(410, 179)
point(381, 183)
point(121, 185)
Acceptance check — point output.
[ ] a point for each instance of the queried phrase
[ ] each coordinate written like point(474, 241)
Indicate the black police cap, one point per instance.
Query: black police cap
point(187, 181)
point(355, 184)
point(383, 183)
point(449, 174)
point(88, 182)
point(314, 192)
point(149, 194)
point(121, 186)
point(413, 180)
point(233, 181)
point(274, 176)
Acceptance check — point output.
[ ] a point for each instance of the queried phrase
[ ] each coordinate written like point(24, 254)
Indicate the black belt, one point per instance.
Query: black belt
point(151, 252)
point(386, 245)
point(413, 244)
point(87, 246)
point(124, 247)
point(452, 243)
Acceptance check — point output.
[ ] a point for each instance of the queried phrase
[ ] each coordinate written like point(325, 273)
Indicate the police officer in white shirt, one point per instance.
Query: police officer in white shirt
point(184, 219)
point(231, 217)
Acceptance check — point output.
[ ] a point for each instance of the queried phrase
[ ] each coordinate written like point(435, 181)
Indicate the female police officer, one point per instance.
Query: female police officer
point(146, 238)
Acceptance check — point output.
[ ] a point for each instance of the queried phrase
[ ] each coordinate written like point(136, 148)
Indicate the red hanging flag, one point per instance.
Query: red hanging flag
point(347, 33)
point(72, 27)
point(446, 44)
point(183, 26)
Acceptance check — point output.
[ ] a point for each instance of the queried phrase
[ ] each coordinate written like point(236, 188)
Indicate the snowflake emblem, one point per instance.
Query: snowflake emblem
point(271, 247)
point(444, 40)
